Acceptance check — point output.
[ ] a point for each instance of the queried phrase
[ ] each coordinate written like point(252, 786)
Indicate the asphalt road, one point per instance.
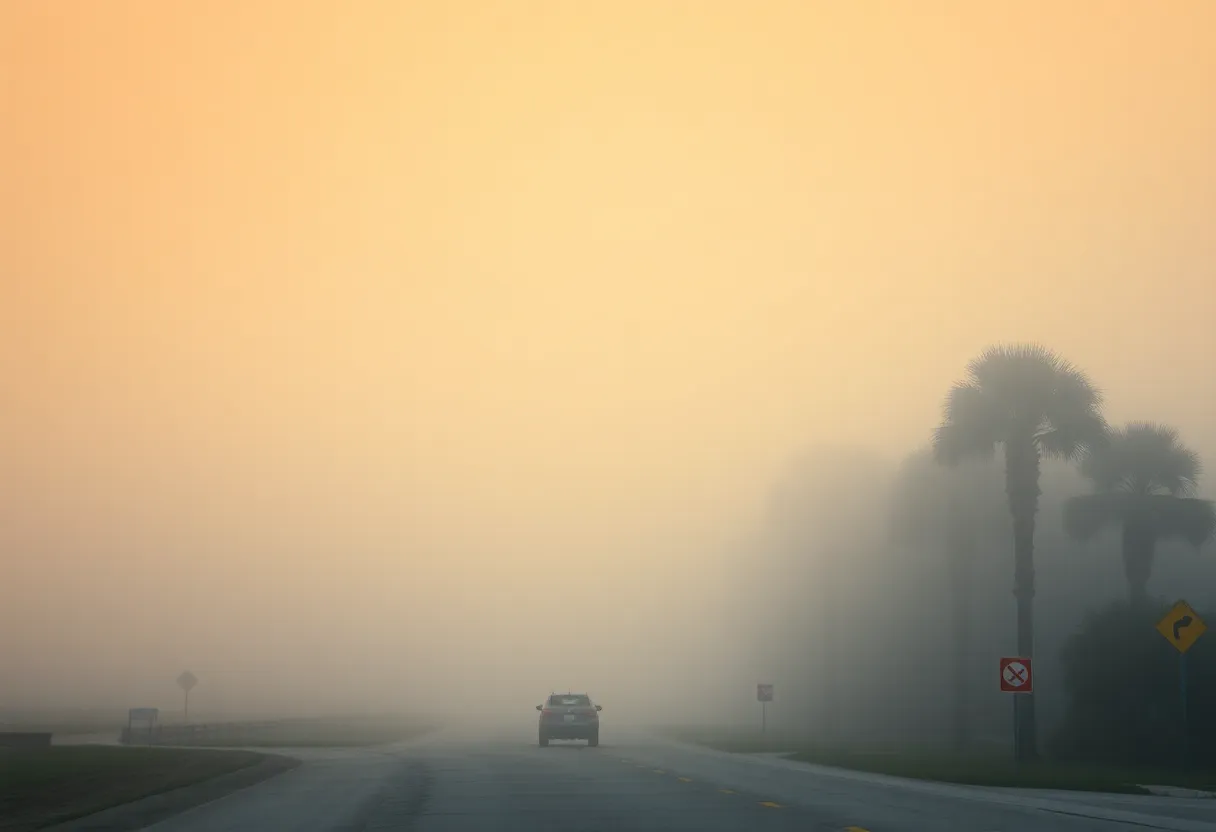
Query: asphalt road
point(454, 782)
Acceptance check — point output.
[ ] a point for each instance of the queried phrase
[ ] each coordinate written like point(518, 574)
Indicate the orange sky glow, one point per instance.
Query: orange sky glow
point(352, 320)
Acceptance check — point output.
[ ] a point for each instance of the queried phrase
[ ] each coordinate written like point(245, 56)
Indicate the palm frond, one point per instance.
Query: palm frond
point(1022, 378)
point(972, 425)
point(1146, 458)
point(1028, 390)
point(1166, 516)
point(1183, 518)
point(1072, 418)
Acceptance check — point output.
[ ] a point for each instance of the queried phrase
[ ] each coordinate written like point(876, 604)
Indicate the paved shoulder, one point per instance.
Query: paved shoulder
point(881, 802)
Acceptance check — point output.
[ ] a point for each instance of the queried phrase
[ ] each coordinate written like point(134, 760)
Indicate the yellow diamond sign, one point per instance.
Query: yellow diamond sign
point(1182, 626)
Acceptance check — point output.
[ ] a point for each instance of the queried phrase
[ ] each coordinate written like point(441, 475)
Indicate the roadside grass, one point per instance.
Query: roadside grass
point(43, 787)
point(973, 769)
point(739, 740)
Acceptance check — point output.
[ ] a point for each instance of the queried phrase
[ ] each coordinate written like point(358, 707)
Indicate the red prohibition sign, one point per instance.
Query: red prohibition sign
point(1017, 674)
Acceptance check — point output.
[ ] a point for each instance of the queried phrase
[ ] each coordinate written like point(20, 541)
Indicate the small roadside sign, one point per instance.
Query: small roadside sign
point(1017, 675)
point(141, 720)
point(186, 682)
point(764, 695)
point(1182, 626)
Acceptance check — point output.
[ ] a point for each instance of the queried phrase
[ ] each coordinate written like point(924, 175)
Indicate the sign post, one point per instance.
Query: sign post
point(186, 682)
point(1182, 627)
point(1017, 676)
point(764, 695)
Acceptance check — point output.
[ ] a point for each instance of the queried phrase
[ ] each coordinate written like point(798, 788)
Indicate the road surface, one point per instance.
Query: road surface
point(449, 782)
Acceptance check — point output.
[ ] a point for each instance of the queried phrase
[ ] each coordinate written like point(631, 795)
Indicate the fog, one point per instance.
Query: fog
point(861, 635)
point(432, 357)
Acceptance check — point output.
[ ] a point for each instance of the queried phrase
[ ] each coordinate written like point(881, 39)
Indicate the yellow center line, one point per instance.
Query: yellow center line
point(659, 771)
point(855, 829)
point(684, 779)
point(726, 791)
point(768, 804)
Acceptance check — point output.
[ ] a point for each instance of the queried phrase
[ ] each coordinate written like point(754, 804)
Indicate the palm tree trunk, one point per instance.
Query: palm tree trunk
point(1022, 489)
point(1138, 550)
point(962, 625)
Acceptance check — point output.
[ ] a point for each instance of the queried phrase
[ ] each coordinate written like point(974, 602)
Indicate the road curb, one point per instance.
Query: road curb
point(980, 794)
point(1176, 791)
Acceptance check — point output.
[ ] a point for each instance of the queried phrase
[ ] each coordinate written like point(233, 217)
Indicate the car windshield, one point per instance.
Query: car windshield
point(570, 699)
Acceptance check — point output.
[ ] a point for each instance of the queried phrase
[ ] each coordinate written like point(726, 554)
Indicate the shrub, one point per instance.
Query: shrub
point(1121, 681)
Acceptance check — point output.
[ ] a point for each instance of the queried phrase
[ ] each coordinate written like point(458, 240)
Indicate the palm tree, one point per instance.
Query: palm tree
point(933, 507)
point(1144, 479)
point(1033, 403)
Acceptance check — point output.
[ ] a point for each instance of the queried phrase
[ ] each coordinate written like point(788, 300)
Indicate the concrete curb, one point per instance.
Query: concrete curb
point(772, 755)
point(155, 808)
point(1176, 791)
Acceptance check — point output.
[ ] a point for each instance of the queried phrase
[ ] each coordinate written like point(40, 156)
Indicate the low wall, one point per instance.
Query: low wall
point(193, 734)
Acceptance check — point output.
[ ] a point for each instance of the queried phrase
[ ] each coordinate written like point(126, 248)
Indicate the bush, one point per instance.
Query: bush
point(1121, 681)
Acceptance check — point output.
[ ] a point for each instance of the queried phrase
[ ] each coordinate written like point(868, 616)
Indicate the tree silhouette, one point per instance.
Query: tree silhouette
point(824, 486)
point(950, 508)
point(1032, 403)
point(1143, 479)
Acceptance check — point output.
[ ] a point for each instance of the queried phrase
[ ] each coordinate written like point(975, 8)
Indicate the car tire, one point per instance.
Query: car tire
point(593, 740)
point(544, 741)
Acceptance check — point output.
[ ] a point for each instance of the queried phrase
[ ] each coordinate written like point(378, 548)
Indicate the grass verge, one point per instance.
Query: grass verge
point(978, 769)
point(43, 787)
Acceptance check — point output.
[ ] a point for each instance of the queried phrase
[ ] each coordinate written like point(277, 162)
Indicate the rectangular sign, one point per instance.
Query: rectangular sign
point(1017, 675)
point(764, 693)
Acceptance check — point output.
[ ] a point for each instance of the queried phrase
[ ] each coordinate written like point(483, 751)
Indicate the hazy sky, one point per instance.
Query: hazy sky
point(333, 331)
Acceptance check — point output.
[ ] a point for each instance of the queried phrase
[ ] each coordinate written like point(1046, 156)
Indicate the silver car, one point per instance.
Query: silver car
point(569, 716)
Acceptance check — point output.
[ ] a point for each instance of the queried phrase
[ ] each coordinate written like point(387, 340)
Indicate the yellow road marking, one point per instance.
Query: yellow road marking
point(855, 829)
point(726, 791)
point(684, 779)
point(768, 804)
point(659, 771)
